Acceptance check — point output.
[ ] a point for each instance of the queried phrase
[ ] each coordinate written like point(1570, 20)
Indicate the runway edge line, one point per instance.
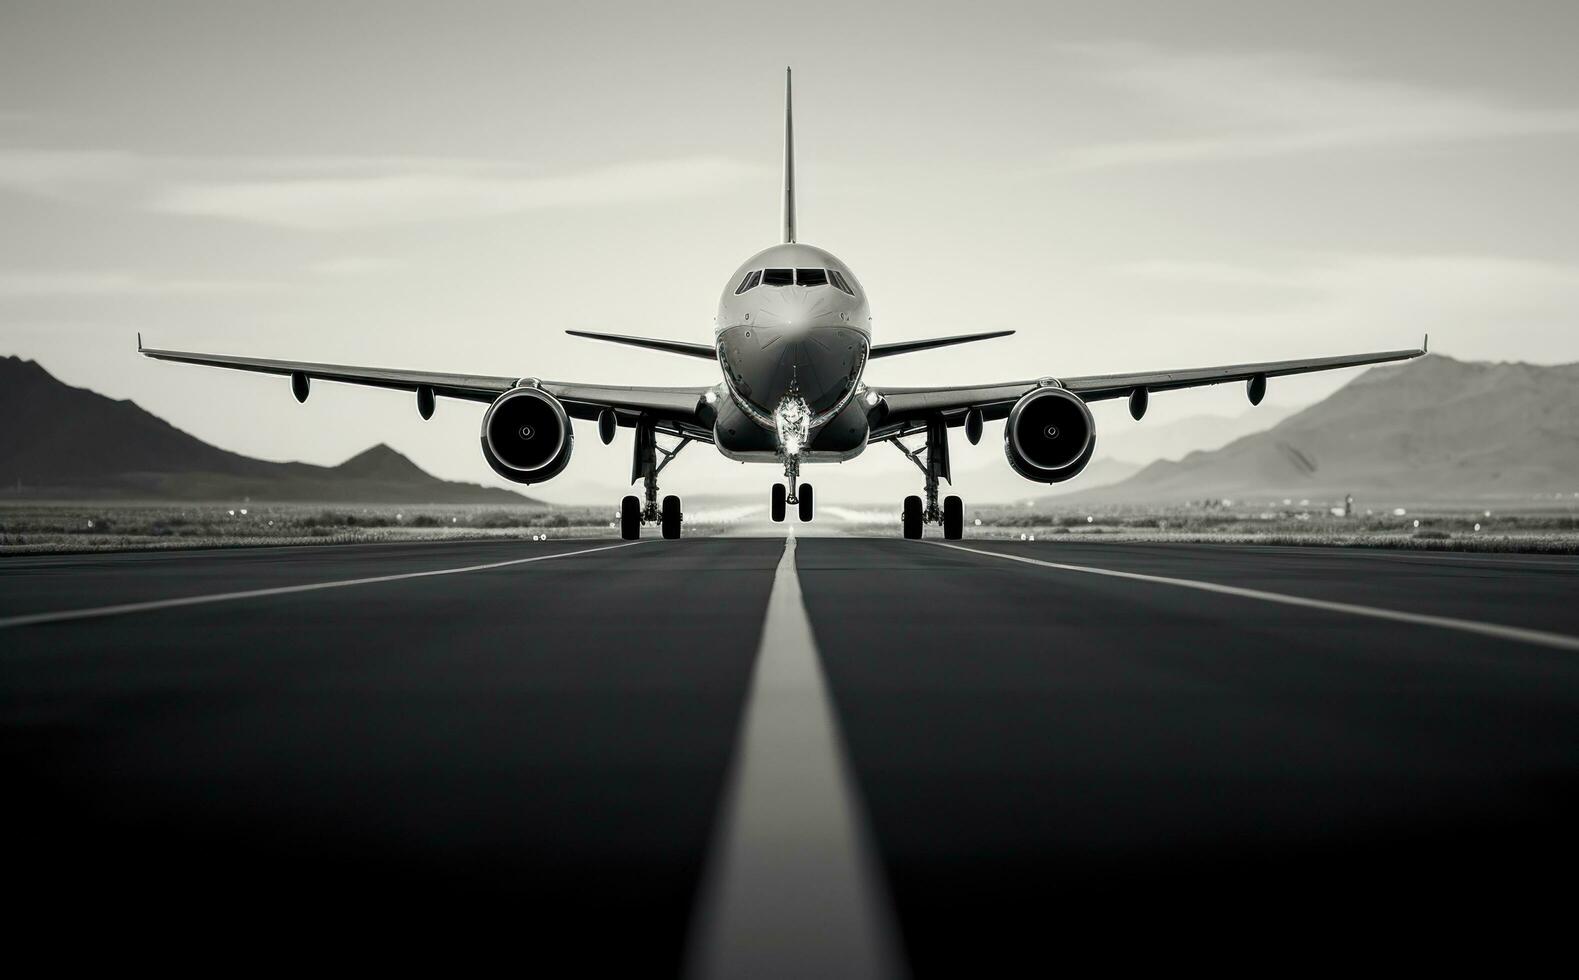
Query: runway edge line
point(96, 612)
point(1519, 634)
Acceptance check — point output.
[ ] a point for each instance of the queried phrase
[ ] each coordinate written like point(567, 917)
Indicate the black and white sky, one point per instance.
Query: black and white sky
point(1130, 185)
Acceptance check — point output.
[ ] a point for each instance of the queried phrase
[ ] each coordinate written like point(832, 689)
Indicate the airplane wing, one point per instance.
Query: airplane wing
point(675, 409)
point(907, 410)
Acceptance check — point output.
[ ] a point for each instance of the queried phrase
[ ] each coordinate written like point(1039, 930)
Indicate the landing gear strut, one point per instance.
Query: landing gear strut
point(645, 466)
point(934, 467)
point(792, 426)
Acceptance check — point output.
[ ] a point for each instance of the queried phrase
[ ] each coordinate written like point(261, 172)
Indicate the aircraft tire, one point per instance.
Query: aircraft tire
point(630, 518)
point(953, 518)
point(805, 503)
point(779, 506)
point(671, 517)
point(912, 517)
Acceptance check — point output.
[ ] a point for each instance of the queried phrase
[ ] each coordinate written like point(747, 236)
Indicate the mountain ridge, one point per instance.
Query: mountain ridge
point(1434, 428)
point(61, 441)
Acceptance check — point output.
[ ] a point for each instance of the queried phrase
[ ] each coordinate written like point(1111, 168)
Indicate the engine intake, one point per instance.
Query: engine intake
point(526, 436)
point(1050, 435)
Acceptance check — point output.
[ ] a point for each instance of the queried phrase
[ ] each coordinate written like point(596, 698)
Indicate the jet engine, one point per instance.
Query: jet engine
point(526, 435)
point(1049, 436)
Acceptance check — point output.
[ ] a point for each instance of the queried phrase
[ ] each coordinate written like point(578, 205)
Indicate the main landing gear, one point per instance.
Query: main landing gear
point(645, 466)
point(802, 500)
point(917, 512)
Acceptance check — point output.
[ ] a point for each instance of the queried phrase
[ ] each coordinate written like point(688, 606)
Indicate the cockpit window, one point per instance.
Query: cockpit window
point(749, 282)
point(838, 280)
point(778, 277)
point(811, 277)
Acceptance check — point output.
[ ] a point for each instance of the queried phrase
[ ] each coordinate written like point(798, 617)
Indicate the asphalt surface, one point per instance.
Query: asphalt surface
point(1050, 766)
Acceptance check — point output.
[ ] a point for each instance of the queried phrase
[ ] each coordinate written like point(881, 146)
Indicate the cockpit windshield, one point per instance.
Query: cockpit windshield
point(793, 277)
point(749, 282)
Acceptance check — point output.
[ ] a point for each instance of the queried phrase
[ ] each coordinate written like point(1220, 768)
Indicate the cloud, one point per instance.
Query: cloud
point(66, 174)
point(351, 266)
point(27, 285)
point(1480, 306)
point(1238, 106)
point(336, 193)
point(376, 200)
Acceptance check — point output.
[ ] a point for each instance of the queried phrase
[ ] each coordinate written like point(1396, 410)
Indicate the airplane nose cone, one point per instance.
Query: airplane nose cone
point(818, 363)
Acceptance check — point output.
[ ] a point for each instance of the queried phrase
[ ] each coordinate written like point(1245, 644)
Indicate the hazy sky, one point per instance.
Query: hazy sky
point(450, 186)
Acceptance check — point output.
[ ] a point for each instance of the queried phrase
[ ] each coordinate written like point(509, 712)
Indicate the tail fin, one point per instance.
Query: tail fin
point(789, 162)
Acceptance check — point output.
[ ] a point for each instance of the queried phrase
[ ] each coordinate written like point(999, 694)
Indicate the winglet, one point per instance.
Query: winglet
point(789, 163)
point(139, 341)
point(1425, 345)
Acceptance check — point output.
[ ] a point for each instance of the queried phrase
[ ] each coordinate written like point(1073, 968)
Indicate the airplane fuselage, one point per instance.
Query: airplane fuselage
point(793, 333)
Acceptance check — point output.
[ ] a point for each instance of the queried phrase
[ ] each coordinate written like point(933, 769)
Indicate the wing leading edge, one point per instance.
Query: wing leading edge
point(682, 410)
point(905, 409)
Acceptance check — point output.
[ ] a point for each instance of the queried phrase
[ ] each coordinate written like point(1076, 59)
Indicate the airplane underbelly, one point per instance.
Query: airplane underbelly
point(738, 436)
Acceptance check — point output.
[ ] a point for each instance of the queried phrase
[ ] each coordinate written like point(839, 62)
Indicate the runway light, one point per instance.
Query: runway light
point(1417, 522)
point(1022, 536)
point(243, 512)
point(1031, 538)
point(978, 522)
point(1477, 525)
point(1090, 519)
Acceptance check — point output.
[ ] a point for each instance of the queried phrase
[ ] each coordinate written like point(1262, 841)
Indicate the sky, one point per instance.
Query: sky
point(1129, 185)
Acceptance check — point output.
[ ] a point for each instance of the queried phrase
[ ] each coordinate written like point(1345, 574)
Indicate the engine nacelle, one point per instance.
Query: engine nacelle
point(1050, 435)
point(526, 435)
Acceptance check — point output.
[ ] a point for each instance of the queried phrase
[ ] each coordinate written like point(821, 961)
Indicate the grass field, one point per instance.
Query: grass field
point(35, 528)
point(1553, 530)
point(69, 527)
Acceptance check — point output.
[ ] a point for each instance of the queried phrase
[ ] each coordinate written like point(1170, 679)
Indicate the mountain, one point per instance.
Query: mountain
point(1430, 429)
point(1120, 437)
point(998, 483)
point(65, 442)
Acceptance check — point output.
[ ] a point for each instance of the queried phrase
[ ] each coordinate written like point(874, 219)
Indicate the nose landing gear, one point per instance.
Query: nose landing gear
point(792, 423)
point(915, 514)
point(784, 496)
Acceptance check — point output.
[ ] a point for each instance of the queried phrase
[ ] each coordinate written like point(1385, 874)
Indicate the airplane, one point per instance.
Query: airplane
point(793, 337)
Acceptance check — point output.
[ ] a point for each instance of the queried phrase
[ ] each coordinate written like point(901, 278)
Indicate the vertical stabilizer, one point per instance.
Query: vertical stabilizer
point(789, 162)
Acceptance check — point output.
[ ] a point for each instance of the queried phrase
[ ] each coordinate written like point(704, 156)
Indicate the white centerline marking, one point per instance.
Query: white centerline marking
point(68, 615)
point(1557, 641)
point(791, 888)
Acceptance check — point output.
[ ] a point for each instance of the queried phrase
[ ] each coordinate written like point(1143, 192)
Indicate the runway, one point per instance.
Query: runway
point(1001, 751)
